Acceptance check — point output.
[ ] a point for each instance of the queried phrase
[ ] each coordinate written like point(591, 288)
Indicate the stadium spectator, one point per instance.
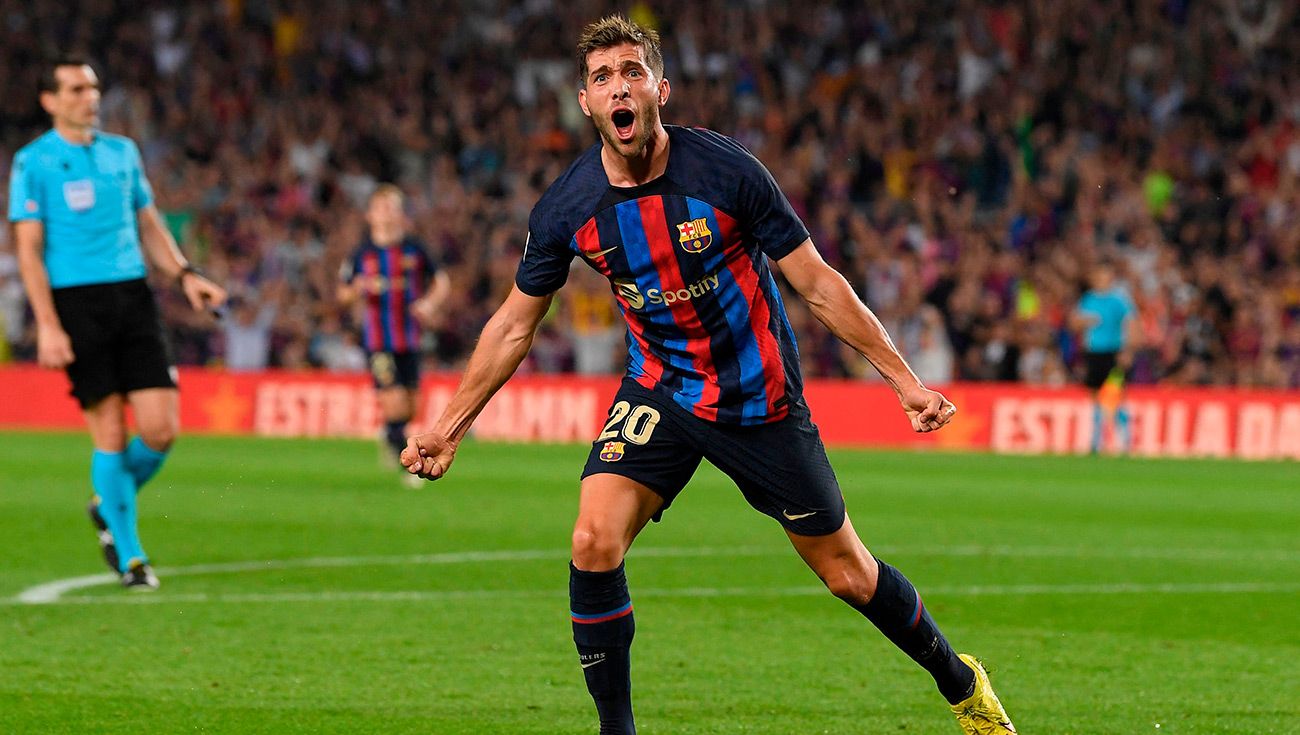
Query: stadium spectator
point(13, 305)
point(336, 349)
point(592, 324)
point(1170, 136)
point(247, 334)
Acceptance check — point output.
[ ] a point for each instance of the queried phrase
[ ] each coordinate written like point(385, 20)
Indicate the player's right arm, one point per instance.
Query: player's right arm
point(502, 346)
point(27, 212)
point(1084, 317)
point(347, 294)
point(53, 346)
point(348, 290)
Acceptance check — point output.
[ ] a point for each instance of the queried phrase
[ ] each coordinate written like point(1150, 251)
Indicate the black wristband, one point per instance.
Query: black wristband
point(185, 270)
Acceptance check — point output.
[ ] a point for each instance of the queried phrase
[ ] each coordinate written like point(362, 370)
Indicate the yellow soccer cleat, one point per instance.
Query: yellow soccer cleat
point(981, 713)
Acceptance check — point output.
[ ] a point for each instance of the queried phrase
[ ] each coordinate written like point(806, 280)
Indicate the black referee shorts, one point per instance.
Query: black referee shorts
point(1097, 366)
point(781, 468)
point(117, 340)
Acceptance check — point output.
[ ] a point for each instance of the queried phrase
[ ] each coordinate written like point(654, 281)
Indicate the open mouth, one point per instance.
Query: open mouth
point(623, 120)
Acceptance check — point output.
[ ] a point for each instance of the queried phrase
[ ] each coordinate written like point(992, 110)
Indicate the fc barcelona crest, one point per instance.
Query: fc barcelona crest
point(612, 451)
point(695, 235)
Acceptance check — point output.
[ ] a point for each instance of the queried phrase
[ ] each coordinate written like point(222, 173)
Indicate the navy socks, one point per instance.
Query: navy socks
point(897, 610)
point(603, 627)
point(395, 435)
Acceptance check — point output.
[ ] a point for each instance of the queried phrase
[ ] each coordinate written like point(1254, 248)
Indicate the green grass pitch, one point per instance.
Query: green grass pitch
point(306, 591)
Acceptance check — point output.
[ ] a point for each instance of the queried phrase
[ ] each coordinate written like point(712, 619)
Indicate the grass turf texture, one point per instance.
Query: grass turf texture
point(1110, 596)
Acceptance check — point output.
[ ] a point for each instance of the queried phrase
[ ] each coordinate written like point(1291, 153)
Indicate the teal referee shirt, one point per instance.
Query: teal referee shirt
point(87, 197)
point(1111, 310)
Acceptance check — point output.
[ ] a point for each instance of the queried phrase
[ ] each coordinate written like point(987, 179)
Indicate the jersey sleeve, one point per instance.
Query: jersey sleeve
point(141, 191)
point(544, 267)
point(26, 195)
point(772, 221)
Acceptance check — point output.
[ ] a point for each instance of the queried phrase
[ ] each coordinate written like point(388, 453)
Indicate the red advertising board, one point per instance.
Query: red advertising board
point(997, 417)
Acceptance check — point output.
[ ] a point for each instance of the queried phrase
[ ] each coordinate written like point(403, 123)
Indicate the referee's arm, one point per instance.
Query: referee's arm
point(160, 248)
point(53, 346)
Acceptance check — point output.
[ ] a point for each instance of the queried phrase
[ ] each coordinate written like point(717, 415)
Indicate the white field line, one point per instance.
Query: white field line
point(54, 591)
point(1123, 588)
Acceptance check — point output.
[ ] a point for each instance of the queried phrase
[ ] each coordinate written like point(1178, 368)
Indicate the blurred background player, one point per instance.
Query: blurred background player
point(400, 289)
point(1107, 317)
point(84, 222)
point(684, 223)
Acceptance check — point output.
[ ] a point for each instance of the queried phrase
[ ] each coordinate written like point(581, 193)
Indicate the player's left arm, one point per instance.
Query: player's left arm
point(426, 307)
point(1131, 335)
point(161, 249)
point(833, 302)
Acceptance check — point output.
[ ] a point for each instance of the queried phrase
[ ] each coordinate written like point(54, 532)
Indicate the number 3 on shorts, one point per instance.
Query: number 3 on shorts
point(637, 428)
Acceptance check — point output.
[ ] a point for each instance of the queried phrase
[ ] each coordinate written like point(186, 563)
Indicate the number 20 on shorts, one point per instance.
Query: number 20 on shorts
point(638, 424)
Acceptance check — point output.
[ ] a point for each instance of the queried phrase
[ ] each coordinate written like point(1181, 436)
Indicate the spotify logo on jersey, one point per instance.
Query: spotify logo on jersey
point(629, 291)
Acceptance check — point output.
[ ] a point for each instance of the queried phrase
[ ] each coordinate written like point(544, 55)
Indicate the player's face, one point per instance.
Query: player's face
point(76, 102)
point(385, 217)
point(622, 97)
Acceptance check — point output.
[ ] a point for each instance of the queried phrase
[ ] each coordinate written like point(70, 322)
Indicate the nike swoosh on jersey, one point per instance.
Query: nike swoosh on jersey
point(796, 516)
point(589, 664)
point(598, 253)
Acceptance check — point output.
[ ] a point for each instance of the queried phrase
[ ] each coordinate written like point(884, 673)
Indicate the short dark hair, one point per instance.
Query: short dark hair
point(613, 30)
point(49, 80)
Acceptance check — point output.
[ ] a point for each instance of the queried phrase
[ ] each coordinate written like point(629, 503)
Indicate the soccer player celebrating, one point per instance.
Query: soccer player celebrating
point(683, 223)
point(401, 289)
point(83, 213)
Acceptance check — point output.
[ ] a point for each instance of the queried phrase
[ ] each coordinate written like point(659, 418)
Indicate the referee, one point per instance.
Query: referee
point(84, 222)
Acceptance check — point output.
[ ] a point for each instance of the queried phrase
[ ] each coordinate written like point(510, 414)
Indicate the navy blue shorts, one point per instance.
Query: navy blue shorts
point(781, 467)
point(395, 369)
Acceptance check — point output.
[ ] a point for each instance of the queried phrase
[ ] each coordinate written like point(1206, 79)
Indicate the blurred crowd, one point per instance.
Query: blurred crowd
point(963, 162)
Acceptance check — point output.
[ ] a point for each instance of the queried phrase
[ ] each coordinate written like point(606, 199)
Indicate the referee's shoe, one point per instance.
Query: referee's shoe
point(139, 576)
point(106, 544)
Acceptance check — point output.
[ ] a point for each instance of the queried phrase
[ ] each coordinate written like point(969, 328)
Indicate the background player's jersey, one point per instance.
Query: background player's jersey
point(686, 257)
point(389, 278)
point(86, 196)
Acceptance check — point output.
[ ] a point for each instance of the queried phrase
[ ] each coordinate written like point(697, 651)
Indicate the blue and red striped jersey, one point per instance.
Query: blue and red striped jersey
point(390, 278)
point(686, 256)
